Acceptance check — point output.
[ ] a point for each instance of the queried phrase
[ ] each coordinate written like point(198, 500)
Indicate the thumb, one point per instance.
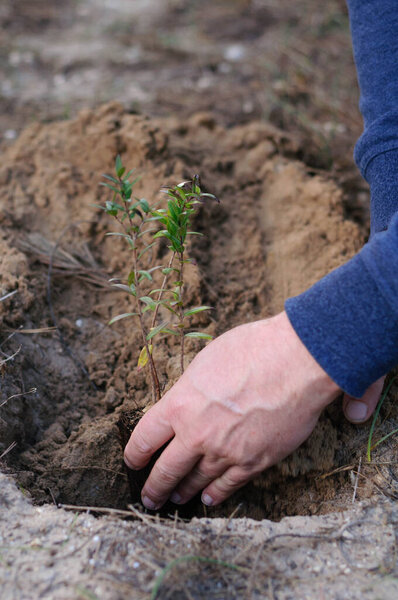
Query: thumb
point(358, 410)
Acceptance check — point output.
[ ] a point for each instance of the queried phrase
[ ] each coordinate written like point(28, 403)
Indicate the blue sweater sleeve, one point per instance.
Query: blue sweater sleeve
point(349, 319)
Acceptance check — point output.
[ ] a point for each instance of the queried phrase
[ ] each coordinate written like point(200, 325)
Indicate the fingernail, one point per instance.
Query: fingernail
point(129, 464)
point(176, 498)
point(356, 410)
point(206, 499)
point(148, 503)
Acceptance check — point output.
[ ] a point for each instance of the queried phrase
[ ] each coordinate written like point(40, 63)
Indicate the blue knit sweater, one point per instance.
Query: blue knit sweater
point(349, 319)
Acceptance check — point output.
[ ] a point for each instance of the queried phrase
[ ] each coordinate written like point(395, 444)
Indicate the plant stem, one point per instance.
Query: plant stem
point(154, 376)
point(181, 309)
point(155, 386)
point(162, 288)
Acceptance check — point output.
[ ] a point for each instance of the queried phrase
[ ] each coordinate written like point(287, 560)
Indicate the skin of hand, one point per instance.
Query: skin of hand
point(246, 401)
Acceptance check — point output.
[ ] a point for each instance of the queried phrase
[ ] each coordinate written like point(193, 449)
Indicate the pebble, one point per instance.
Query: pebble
point(234, 52)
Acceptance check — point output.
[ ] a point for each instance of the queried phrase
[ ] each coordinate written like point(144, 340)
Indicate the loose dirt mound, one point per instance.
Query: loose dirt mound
point(277, 230)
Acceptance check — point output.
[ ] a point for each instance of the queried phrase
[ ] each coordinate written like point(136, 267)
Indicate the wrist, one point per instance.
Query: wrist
point(313, 379)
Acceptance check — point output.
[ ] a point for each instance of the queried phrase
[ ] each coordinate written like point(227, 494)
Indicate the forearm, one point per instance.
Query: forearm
point(374, 27)
point(349, 319)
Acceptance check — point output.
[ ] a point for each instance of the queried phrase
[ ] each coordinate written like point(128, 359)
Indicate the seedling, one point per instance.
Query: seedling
point(371, 446)
point(140, 222)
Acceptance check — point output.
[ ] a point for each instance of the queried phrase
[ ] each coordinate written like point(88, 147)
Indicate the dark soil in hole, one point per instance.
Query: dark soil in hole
point(126, 425)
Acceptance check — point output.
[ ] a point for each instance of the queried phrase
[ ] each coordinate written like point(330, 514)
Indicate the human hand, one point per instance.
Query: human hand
point(246, 401)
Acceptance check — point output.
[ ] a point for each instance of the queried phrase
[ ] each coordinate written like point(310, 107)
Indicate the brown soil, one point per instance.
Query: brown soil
point(278, 229)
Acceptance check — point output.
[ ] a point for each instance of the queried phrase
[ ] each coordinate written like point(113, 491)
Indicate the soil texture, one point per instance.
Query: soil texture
point(277, 229)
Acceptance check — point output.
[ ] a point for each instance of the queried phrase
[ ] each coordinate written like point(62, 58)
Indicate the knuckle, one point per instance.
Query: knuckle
point(234, 479)
point(201, 473)
point(140, 444)
point(165, 474)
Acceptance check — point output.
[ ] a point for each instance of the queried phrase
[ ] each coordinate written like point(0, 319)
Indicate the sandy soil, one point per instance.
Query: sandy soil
point(49, 553)
point(292, 208)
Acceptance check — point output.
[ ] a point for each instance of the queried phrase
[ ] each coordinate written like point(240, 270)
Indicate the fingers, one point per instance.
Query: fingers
point(223, 487)
point(175, 462)
point(201, 475)
point(151, 433)
point(359, 410)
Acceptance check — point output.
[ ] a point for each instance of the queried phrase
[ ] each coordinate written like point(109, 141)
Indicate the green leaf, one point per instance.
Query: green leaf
point(110, 178)
point(117, 234)
point(194, 233)
point(123, 287)
point(161, 233)
point(172, 292)
point(150, 302)
point(169, 331)
point(193, 311)
point(111, 187)
point(157, 218)
point(145, 249)
point(126, 190)
point(129, 174)
point(119, 166)
point(120, 317)
point(146, 275)
point(145, 231)
point(145, 206)
point(155, 330)
point(199, 335)
point(168, 270)
point(173, 208)
point(136, 180)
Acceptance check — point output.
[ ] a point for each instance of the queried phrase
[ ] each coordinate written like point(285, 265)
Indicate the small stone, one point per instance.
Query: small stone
point(234, 52)
point(10, 134)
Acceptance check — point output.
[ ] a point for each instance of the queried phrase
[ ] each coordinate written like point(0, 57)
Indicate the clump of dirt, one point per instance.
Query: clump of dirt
point(277, 229)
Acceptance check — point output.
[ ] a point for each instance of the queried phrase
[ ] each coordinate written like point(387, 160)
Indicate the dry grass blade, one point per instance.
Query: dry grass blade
point(31, 391)
point(10, 447)
point(335, 471)
point(80, 265)
point(97, 509)
point(8, 295)
point(38, 330)
point(356, 480)
point(3, 361)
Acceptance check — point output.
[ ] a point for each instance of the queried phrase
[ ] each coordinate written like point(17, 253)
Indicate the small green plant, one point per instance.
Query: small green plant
point(142, 226)
point(371, 446)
